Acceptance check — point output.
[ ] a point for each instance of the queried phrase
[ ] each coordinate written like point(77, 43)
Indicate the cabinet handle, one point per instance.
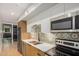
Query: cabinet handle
point(39, 54)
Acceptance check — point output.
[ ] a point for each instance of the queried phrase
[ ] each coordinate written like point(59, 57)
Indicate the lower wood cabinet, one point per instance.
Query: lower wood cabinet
point(23, 49)
point(40, 53)
point(28, 50)
point(19, 46)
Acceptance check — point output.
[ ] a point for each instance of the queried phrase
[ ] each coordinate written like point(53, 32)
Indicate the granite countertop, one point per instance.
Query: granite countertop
point(45, 47)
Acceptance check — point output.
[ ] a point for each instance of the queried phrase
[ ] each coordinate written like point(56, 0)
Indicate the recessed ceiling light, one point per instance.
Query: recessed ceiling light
point(69, 14)
point(26, 12)
point(12, 13)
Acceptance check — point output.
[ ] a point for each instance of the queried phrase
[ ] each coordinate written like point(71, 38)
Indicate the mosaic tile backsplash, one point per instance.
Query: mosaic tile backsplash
point(69, 36)
point(50, 37)
point(47, 37)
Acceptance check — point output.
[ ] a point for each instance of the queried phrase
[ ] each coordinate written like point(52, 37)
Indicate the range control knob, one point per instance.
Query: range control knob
point(59, 41)
point(76, 44)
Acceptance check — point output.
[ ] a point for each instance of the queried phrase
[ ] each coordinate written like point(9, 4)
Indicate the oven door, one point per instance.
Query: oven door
point(59, 53)
point(66, 51)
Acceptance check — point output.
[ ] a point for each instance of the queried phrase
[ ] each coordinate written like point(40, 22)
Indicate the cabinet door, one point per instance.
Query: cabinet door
point(28, 50)
point(33, 51)
point(22, 25)
point(20, 46)
point(36, 52)
point(40, 53)
point(23, 48)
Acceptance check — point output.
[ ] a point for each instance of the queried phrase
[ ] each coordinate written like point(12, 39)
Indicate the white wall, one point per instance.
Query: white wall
point(44, 17)
point(45, 25)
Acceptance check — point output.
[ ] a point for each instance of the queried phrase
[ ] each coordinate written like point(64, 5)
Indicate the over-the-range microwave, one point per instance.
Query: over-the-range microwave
point(68, 23)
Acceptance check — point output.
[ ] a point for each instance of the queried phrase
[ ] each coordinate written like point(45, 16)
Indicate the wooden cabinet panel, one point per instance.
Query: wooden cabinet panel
point(23, 26)
point(19, 46)
point(26, 36)
point(23, 48)
point(28, 50)
point(33, 51)
point(40, 53)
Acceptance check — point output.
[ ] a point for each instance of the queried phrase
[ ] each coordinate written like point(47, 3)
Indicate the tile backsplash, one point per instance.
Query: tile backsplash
point(50, 37)
point(69, 36)
point(47, 37)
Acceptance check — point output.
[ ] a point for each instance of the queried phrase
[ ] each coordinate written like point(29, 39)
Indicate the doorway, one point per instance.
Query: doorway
point(7, 35)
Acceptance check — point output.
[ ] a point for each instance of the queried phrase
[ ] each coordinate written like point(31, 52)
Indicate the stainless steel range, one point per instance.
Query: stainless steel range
point(67, 47)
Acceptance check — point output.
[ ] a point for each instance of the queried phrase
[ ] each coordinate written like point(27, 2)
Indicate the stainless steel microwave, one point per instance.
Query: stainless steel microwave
point(62, 24)
point(66, 23)
point(77, 22)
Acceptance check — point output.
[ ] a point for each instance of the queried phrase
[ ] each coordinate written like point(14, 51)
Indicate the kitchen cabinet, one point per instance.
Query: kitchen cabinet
point(19, 46)
point(23, 48)
point(32, 51)
point(40, 53)
point(29, 50)
point(23, 26)
point(23, 29)
point(22, 35)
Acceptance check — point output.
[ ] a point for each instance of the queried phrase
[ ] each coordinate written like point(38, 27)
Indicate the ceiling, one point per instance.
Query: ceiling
point(12, 11)
point(41, 8)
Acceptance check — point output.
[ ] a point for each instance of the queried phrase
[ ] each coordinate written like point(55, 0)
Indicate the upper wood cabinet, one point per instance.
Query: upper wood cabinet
point(23, 26)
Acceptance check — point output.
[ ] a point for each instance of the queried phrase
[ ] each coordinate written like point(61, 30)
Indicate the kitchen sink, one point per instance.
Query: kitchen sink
point(35, 42)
